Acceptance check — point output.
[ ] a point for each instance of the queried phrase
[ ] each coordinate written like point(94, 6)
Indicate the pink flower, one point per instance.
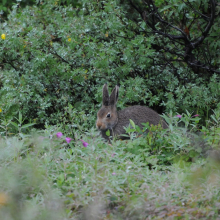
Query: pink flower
point(113, 174)
point(68, 140)
point(178, 116)
point(85, 144)
point(196, 115)
point(113, 154)
point(59, 134)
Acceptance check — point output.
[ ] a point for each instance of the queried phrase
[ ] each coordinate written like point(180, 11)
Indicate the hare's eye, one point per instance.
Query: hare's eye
point(108, 115)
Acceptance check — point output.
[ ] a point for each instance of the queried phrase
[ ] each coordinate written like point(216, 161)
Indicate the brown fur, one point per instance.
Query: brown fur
point(118, 120)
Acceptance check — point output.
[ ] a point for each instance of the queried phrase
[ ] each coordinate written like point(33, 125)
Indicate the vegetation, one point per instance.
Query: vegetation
point(163, 174)
point(55, 56)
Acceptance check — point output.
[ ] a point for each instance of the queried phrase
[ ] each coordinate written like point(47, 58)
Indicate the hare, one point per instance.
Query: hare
point(108, 118)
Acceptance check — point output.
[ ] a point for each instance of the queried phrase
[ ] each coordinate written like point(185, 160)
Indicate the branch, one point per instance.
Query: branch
point(151, 17)
point(203, 66)
point(161, 20)
point(208, 27)
point(157, 15)
point(188, 4)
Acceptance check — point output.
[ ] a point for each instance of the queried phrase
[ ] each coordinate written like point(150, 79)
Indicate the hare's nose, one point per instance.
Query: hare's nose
point(98, 125)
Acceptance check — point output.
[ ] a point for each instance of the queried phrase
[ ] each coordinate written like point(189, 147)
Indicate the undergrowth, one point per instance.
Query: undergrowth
point(162, 174)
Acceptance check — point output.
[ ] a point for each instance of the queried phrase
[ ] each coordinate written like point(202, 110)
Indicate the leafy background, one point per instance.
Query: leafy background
point(57, 53)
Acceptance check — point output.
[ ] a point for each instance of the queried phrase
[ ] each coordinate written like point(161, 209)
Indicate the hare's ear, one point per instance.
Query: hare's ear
point(114, 96)
point(105, 95)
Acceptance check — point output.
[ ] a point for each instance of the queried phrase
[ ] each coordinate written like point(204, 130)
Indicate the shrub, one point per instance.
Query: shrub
point(54, 54)
point(181, 143)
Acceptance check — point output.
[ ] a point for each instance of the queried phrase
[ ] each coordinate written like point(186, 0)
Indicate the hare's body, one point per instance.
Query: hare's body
point(109, 119)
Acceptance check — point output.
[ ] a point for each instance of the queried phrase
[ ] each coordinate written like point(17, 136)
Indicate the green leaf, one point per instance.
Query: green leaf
point(138, 129)
point(14, 124)
point(213, 117)
point(132, 123)
point(107, 133)
point(27, 125)
point(20, 118)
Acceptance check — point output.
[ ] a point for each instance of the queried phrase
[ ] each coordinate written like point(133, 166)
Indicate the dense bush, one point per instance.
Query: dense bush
point(53, 55)
point(6, 6)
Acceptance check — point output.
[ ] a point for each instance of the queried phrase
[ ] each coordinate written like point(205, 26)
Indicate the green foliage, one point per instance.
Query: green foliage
point(18, 127)
point(6, 6)
point(160, 146)
point(211, 131)
point(19, 123)
point(58, 53)
point(25, 191)
point(43, 177)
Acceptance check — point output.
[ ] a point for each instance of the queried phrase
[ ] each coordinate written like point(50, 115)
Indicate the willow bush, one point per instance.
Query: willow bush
point(57, 53)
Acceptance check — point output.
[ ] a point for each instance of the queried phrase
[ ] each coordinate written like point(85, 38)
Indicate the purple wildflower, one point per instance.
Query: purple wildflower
point(85, 144)
point(113, 174)
point(113, 154)
point(178, 116)
point(68, 140)
point(196, 115)
point(59, 134)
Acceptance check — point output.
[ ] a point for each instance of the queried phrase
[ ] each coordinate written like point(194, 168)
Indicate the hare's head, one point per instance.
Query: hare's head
point(107, 116)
